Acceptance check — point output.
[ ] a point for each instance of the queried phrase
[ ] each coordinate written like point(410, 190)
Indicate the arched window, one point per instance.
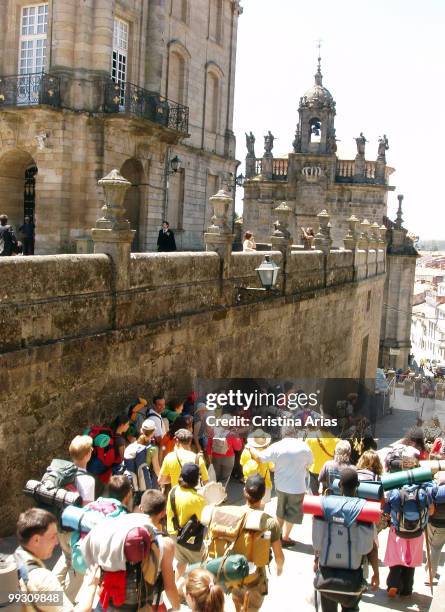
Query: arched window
point(315, 130)
point(177, 77)
point(212, 102)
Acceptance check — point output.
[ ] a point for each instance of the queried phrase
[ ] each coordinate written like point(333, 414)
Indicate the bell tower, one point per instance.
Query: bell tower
point(315, 132)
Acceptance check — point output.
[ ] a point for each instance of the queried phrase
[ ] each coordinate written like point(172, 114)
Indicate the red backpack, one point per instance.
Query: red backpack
point(105, 458)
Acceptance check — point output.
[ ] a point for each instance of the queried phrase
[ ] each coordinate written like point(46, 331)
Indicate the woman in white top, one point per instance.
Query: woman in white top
point(249, 242)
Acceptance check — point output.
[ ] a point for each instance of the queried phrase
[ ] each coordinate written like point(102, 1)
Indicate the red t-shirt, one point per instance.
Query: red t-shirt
point(233, 444)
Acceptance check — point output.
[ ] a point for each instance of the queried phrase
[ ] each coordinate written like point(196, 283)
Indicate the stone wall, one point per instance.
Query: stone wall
point(74, 351)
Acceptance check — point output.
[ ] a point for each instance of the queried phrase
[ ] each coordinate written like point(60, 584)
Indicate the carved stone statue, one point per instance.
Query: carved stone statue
point(268, 143)
point(250, 144)
point(383, 146)
point(361, 143)
point(297, 140)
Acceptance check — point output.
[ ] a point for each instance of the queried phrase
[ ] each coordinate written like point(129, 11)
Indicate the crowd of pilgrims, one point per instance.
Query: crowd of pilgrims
point(160, 467)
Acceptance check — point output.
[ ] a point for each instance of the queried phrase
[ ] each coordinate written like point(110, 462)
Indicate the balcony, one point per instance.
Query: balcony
point(135, 101)
point(30, 90)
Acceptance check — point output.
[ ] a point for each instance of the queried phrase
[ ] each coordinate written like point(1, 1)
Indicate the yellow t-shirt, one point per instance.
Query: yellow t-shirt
point(173, 462)
point(250, 466)
point(319, 448)
point(188, 502)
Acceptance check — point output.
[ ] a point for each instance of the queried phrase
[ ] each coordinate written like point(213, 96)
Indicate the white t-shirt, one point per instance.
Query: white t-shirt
point(160, 429)
point(291, 457)
point(85, 484)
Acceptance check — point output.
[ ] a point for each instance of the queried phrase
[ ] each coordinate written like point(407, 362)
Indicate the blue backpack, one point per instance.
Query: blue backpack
point(410, 510)
point(136, 467)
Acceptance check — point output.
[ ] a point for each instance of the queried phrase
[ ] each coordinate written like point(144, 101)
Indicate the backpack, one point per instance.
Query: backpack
point(220, 446)
point(61, 474)
point(136, 467)
point(105, 459)
point(412, 516)
point(237, 530)
point(142, 570)
point(340, 544)
point(56, 489)
point(82, 520)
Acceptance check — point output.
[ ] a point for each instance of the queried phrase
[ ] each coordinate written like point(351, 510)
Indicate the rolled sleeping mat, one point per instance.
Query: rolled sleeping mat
point(369, 514)
point(8, 582)
point(236, 568)
point(53, 498)
point(435, 465)
point(371, 489)
point(78, 519)
point(406, 477)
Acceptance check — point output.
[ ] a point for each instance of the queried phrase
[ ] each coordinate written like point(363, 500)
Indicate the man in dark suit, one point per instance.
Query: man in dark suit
point(166, 239)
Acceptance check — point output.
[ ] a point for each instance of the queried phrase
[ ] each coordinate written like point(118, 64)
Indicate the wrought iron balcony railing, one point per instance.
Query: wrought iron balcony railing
point(133, 100)
point(29, 89)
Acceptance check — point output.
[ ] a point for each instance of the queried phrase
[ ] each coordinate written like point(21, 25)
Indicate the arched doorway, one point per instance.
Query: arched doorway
point(18, 172)
point(133, 171)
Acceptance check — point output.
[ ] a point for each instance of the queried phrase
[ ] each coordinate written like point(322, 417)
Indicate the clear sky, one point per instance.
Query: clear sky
point(382, 60)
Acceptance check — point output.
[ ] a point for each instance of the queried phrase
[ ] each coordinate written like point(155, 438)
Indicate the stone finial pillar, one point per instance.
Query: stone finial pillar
point(219, 236)
point(382, 239)
point(112, 234)
point(364, 236)
point(281, 239)
point(375, 234)
point(323, 240)
point(351, 239)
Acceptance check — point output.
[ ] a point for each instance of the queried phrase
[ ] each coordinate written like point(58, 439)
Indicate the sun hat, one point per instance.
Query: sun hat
point(259, 439)
point(148, 425)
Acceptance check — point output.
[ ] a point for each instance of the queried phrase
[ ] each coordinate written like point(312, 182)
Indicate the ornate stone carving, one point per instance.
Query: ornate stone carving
point(352, 237)
point(383, 147)
point(268, 144)
point(220, 202)
point(312, 172)
point(281, 225)
point(361, 144)
point(41, 139)
point(250, 144)
point(323, 240)
point(113, 211)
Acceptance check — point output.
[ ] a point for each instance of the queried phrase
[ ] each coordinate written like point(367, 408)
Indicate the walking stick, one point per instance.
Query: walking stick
point(246, 601)
point(316, 600)
point(428, 559)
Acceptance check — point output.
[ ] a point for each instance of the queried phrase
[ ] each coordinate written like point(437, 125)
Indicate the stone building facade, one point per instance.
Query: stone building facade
point(312, 177)
point(127, 84)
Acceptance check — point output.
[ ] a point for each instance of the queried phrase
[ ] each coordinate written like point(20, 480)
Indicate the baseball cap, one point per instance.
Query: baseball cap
point(190, 474)
point(148, 425)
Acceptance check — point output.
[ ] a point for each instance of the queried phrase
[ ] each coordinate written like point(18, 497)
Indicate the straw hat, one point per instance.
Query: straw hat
point(259, 439)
